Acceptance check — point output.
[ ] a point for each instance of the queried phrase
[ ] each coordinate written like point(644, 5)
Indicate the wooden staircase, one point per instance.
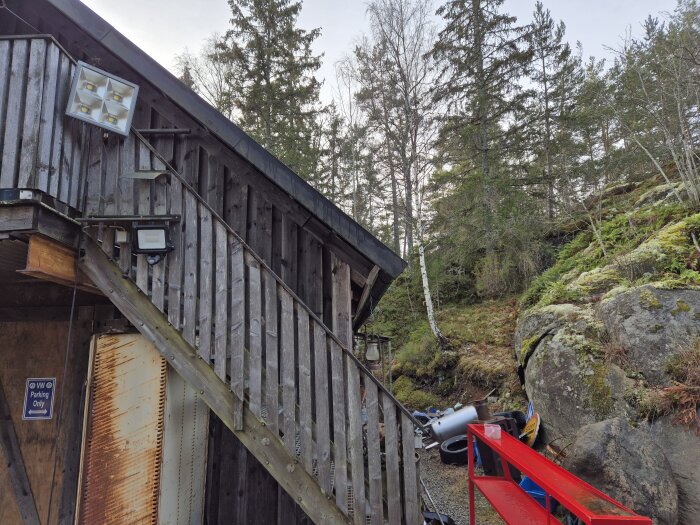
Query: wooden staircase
point(286, 385)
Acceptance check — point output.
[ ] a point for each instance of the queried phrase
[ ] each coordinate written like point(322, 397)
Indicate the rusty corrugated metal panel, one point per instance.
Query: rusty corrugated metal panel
point(123, 440)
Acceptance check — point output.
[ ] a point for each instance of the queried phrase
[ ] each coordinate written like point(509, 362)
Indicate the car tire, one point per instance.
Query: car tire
point(454, 451)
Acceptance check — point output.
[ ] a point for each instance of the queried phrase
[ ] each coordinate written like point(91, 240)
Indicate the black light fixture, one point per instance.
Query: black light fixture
point(151, 240)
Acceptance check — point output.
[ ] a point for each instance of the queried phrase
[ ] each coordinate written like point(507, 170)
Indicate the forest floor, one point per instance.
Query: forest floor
point(448, 487)
point(481, 340)
point(480, 360)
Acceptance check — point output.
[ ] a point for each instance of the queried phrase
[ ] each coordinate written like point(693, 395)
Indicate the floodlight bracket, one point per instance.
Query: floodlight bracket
point(145, 175)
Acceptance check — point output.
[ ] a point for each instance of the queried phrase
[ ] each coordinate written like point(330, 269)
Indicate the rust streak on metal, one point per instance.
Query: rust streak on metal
point(125, 433)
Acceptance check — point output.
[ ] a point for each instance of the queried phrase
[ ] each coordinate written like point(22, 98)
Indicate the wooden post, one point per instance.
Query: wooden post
point(15, 465)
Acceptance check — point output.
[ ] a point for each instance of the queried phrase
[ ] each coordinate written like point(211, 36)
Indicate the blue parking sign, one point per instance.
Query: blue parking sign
point(38, 398)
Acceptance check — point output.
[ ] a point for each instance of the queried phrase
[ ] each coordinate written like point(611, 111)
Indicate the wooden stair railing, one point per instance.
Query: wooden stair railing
point(266, 348)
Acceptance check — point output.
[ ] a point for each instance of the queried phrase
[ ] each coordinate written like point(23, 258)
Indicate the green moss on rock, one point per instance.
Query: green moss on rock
point(681, 306)
point(648, 300)
point(407, 393)
point(602, 400)
point(527, 348)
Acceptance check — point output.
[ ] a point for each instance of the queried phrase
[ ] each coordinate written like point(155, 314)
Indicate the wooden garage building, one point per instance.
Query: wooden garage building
point(215, 386)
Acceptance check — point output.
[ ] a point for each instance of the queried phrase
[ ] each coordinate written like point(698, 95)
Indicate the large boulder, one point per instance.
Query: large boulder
point(652, 325)
point(569, 387)
point(627, 464)
point(682, 450)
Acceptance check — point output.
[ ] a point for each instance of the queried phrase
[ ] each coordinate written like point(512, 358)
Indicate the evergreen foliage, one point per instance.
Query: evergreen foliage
point(272, 79)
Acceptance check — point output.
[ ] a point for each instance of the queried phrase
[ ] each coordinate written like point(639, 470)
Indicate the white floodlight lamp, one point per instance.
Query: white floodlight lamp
point(102, 99)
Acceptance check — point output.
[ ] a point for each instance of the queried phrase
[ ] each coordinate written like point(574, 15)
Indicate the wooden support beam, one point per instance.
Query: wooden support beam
point(15, 465)
point(33, 217)
point(366, 291)
point(50, 261)
point(255, 436)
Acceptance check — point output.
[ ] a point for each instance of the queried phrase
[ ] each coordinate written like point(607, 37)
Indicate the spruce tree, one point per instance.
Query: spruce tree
point(483, 55)
point(272, 79)
point(556, 75)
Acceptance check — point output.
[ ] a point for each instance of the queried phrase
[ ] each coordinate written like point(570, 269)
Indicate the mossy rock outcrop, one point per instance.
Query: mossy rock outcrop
point(600, 329)
point(652, 325)
point(566, 375)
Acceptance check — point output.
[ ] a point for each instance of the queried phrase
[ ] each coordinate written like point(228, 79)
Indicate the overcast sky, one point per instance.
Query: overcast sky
point(165, 28)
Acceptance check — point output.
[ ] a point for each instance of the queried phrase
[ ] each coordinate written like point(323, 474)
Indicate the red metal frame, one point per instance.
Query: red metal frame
point(517, 508)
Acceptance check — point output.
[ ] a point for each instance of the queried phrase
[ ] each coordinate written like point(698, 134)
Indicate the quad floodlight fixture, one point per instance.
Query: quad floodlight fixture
point(102, 99)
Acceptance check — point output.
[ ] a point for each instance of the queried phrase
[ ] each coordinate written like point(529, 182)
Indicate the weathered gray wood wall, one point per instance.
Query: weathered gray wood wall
point(324, 271)
point(81, 165)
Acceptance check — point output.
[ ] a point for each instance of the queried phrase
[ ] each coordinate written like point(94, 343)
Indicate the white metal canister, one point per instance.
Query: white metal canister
point(453, 424)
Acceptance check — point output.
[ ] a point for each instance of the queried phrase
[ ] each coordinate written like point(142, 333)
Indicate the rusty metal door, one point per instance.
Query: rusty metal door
point(123, 433)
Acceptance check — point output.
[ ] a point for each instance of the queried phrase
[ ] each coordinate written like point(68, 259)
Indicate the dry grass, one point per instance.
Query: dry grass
point(684, 395)
point(682, 399)
point(616, 355)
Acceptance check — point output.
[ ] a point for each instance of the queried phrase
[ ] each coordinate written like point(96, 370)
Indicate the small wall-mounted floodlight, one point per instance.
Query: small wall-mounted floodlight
point(102, 99)
point(151, 240)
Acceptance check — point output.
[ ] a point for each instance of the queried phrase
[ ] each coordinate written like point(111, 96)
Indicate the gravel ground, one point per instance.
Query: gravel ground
point(448, 487)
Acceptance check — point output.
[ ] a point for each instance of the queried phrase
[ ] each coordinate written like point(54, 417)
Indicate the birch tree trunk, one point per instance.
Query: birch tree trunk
point(426, 288)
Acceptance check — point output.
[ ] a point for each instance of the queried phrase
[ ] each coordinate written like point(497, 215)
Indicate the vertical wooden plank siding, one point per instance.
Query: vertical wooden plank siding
point(109, 190)
point(391, 454)
point(125, 206)
point(374, 456)
point(289, 252)
point(342, 311)
point(46, 121)
point(410, 481)
point(221, 301)
point(160, 207)
point(175, 259)
point(59, 120)
point(264, 229)
point(323, 417)
point(355, 445)
point(189, 319)
point(339, 449)
point(271, 352)
point(32, 114)
point(237, 326)
point(93, 169)
point(305, 408)
point(78, 155)
point(143, 191)
point(288, 369)
point(13, 116)
point(71, 133)
point(5, 64)
point(276, 264)
point(342, 329)
point(255, 335)
point(206, 247)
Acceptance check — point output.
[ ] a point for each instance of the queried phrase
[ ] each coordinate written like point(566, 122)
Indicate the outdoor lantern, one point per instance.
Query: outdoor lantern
point(102, 99)
point(151, 240)
point(372, 353)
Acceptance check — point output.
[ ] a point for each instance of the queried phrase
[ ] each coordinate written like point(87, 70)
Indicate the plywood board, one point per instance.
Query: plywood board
point(29, 349)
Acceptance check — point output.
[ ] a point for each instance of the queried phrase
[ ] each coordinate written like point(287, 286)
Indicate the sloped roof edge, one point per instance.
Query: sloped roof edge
point(232, 136)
